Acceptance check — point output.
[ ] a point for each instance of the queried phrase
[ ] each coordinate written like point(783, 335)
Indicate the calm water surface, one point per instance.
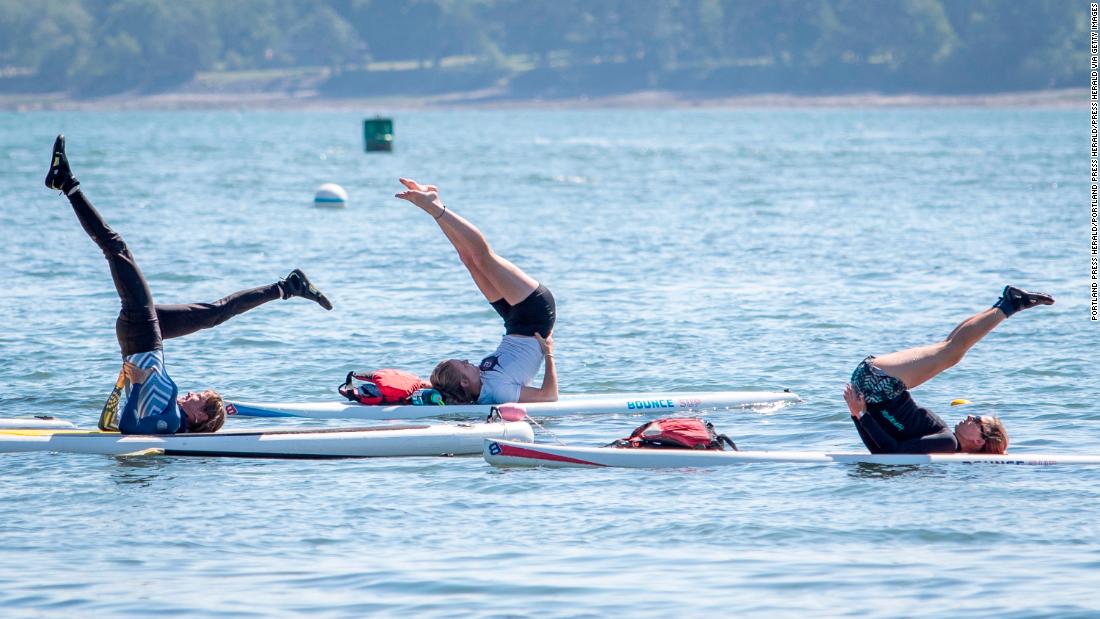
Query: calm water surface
point(692, 250)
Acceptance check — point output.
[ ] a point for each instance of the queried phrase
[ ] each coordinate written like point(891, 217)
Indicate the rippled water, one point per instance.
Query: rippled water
point(687, 249)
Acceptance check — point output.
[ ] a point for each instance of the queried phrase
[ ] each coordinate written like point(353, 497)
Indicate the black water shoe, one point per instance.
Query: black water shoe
point(1013, 300)
point(60, 177)
point(298, 285)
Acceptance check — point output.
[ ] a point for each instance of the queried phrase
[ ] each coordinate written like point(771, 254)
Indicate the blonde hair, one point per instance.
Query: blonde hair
point(447, 380)
point(995, 435)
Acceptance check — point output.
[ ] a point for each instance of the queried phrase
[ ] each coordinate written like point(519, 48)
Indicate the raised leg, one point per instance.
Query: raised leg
point(137, 327)
point(916, 366)
point(180, 320)
point(496, 277)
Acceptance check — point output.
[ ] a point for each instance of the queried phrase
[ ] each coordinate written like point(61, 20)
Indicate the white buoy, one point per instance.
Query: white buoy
point(330, 195)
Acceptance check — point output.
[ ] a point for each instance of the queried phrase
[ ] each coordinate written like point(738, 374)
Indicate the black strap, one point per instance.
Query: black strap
point(346, 389)
point(722, 438)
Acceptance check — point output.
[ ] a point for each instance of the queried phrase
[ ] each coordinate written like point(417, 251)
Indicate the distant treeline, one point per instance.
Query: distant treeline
point(551, 47)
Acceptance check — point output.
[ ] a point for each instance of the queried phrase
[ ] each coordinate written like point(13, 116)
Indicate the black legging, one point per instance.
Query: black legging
point(141, 325)
point(178, 320)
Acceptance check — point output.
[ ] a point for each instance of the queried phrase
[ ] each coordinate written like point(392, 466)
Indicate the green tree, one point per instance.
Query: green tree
point(52, 37)
point(913, 33)
point(101, 46)
point(251, 32)
point(322, 37)
point(147, 44)
point(399, 30)
point(783, 32)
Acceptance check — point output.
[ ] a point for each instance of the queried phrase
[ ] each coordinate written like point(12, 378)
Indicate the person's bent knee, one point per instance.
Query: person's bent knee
point(209, 315)
point(114, 245)
point(478, 257)
point(467, 260)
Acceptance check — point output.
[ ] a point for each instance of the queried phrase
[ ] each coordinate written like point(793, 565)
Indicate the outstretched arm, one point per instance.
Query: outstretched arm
point(549, 390)
point(496, 277)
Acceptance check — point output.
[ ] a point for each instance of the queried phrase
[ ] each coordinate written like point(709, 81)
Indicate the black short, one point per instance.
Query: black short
point(535, 314)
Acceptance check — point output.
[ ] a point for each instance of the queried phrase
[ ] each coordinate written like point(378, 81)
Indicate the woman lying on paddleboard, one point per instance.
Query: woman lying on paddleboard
point(526, 306)
point(152, 405)
point(887, 418)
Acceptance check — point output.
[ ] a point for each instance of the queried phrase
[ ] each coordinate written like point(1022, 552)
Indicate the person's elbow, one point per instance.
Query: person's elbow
point(543, 395)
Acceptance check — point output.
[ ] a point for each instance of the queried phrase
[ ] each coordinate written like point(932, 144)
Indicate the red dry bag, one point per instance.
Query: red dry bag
point(385, 386)
point(676, 433)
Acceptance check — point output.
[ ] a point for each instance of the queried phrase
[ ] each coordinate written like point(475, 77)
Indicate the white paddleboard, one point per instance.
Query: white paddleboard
point(508, 453)
point(298, 443)
point(42, 423)
point(658, 403)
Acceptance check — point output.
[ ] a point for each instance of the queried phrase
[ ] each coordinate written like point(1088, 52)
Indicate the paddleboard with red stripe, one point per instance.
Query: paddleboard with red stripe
point(509, 453)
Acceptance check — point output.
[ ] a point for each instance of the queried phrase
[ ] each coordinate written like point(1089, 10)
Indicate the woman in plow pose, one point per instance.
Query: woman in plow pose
point(887, 418)
point(152, 405)
point(526, 306)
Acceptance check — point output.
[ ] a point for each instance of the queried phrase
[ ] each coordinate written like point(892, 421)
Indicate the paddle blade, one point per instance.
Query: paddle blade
point(108, 417)
point(152, 451)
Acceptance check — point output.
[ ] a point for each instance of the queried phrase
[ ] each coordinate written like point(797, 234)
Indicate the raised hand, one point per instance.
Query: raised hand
point(424, 196)
point(134, 374)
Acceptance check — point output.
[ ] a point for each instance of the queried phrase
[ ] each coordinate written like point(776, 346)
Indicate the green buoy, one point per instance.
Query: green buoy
point(378, 133)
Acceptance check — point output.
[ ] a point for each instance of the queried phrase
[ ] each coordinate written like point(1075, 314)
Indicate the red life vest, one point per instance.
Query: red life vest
point(676, 433)
point(385, 386)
